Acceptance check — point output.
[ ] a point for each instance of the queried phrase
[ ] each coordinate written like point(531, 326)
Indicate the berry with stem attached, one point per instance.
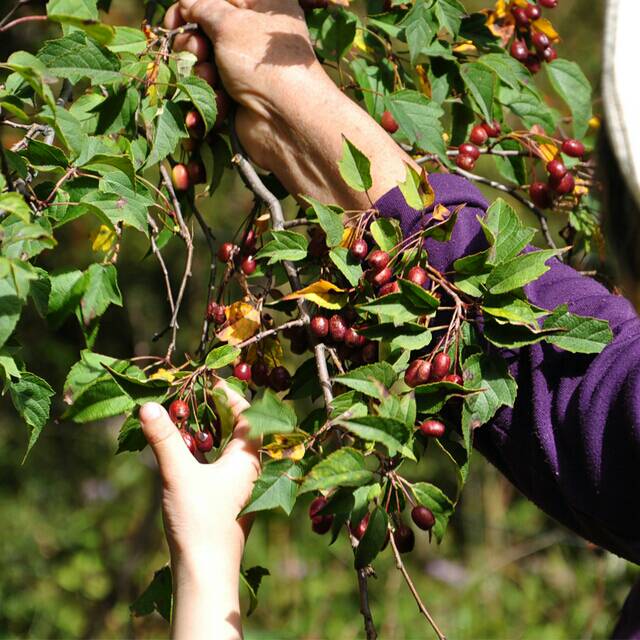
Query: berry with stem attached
point(519, 50)
point(493, 129)
point(573, 148)
point(418, 276)
point(469, 149)
point(466, 163)
point(359, 530)
point(404, 538)
point(195, 124)
point(337, 327)
point(381, 277)
point(196, 171)
point(541, 195)
point(189, 441)
point(390, 287)
point(359, 249)
point(540, 40)
point(179, 411)
point(564, 186)
point(260, 373)
point(520, 16)
point(204, 441)
point(248, 265)
point(279, 379)
point(440, 366)
point(432, 428)
point(226, 251)
point(556, 169)
point(533, 12)
point(378, 259)
point(548, 4)
point(478, 135)
point(423, 517)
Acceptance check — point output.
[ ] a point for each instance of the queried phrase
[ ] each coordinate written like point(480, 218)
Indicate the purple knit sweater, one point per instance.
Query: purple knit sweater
point(571, 444)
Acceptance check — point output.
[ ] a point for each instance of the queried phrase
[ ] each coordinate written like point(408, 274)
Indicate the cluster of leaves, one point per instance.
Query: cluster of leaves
point(102, 147)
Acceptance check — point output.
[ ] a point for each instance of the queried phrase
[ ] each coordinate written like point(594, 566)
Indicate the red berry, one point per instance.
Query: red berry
point(564, 186)
point(196, 171)
point(540, 40)
point(300, 344)
point(226, 251)
point(466, 163)
point(388, 122)
point(353, 339)
point(380, 278)
point(533, 64)
point(520, 16)
point(223, 103)
point(378, 259)
point(453, 377)
point(440, 366)
point(204, 441)
point(533, 12)
point(556, 169)
point(359, 249)
point(519, 50)
point(189, 441)
point(337, 327)
point(279, 379)
point(359, 530)
point(369, 352)
point(389, 287)
point(318, 245)
point(573, 148)
point(493, 130)
point(423, 517)
point(549, 54)
point(417, 373)
point(180, 177)
point(242, 371)
point(179, 411)
point(319, 326)
point(321, 524)
point(260, 373)
point(317, 504)
point(469, 149)
point(548, 4)
point(418, 276)
point(195, 124)
point(432, 428)
point(478, 135)
point(541, 195)
point(404, 538)
point(248, 265)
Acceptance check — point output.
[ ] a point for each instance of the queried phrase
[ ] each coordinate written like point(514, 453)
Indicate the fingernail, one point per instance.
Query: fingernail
point(150, 411)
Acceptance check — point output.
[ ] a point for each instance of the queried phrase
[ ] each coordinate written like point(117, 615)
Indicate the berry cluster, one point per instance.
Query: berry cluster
point(242, 255)
point(530, 45)
point(202, 440)
point(469, 152)
point(261, 375)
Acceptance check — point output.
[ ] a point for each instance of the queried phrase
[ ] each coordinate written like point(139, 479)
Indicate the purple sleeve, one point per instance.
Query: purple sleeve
point(571, 444)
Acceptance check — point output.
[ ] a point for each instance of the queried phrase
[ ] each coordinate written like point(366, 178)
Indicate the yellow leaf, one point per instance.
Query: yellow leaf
point(359, 41)
point(441, 212)
point(548, 152)
point(324, 294)
point(465, 47)
point(243, 321)
point(104, 238)
point(423, 81)
point(290, 446)
point(270, 350)
point(545, 26)
point(162, 374)
point(348, 236)
point(500, 9)
point(581, 188)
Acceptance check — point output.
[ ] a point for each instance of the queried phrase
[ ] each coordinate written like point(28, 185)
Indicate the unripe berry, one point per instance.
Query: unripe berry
point(359, 249)
point(380, 278)
point(540, 40)
point(337, 327)
point(388, 122)
point(548, 4)
point(466, 163)
point(493, 129)
point(353, 339)
point(204, 441)
point(533, 12)
point(260, 373)
point(564, 186)
point(196, 171)
point(226, 251)
point(179, 411)
point(242, 371)
point(180, 177)
point(519, 50)
point(404, 538)
point(520, 16)
point(469, 149)
point(279, 379)
point(390, 287)
point(248, 265)
point(418, 276)
point(189, 441)
point(432, 428)
point(541, 195)
point(556, 169)
point(378, 259)
point(319, 326)
point(195, 124)
point(440, 365)
point(478, 135)
point(423, 517)
point(573, 148)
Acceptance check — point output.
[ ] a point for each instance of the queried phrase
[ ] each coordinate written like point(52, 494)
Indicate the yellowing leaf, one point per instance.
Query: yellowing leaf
point(547, 152)
point(289, 446)
point(545, 26)
point(500, 9)
point(243, 321)
point(359, 42)
point(104, 238)
point(324, 294)
point(581, 188)
point(162, 374)
point(270, 351)
point(465, 47)
point(423, 81)
point(348, 236)
point(441, 212)
point(416, 189)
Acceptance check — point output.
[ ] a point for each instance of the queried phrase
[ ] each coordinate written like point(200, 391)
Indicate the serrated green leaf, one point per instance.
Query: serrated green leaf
point(519, 271)
point(221, 356)
point(348, 266)
point(275, 488)
point(371, 379)
point(374, 538)
point(169, 130)
point(355, 167)
point(269, 414)
point(330, 219)
point(342, 468)
point(284, 245)
point(101, 399)
point(203, 98)
point(509, 235)
point(14, 203)
point(387, 431)
point(580, 334)
point(387, 233)
point(481, 81)
point(131, 436)
point(573, 87)
point(140, 390)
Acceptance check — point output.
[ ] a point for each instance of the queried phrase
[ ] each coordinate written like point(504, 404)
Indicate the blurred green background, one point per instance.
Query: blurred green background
point(81, 529)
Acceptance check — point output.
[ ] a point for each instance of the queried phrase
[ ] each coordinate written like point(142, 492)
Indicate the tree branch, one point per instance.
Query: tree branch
point(365, 608)
point(269, 332)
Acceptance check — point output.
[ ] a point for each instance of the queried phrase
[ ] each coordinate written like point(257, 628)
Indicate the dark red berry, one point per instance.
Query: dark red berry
point(195, 124)
point(180, 177)
point(300, 343)
point(388, 122)
point(540, 40)
point(519, 50)
point(432, 428)
point(359, 249)
point(179, 411)
point(404, 538)
point(440, 366)
point(223, 103)
point(204, 441)
point(549, 54)
point(548, 4)
point(520, 16)
point(418, 276)
point(564, 186)
point(466, 163)
point(533, 12)
point(423, 517)
point(380, 278)
point(359, 530)
point(279, 379)
point(369, 352)
point(493, 129)
point(196, 171)
point(317, 504)
point(242, 371)
point(541, 195)
point(478, 135)
point(260, 373)
point(469, 149)
point(321, 524)
point(212, 311)
point(556, 169)
point(337, 327)
point(318, 245)
point(417, 373)
point(378, 259)
point(453, 377)
point(226, 251)
point(390, 287)
point(249, 242)
point(319, 326)
point(248, 265)
point(573, 148)
point(533, 64)
point(189, 441)
point(353, 339)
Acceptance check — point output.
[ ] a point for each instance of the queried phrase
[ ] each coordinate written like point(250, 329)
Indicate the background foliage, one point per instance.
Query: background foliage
point(82, 533)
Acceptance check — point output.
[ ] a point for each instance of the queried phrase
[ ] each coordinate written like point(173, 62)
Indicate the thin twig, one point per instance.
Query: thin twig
point(13, 9)
point(269, 332)
point(421, 606)
point(323, 373)
point(365, 608)
point(17, 21)
point(163, 266)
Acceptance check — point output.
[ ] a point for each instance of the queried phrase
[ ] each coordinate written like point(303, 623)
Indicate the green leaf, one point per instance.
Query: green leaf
point(284, 245)
point(275, 488)
point(221, 356)
point(101, 399)
point(481, 81)
point(581, 334)
point(355, 167)
point(330, 219)
point(77, 56)
point(573, 87)
point(419, 29)
point(450, 14)
point(348, 266)
point(525, 103)
point(82, 14)
point(14, 203)
point(342, 468)
point(337, 34)
point(510, 235)
point(269, 414)
point(169, 130)
point(387, 233)
point(420, 299)
point(10, 310)
point(374, 538)
point(387, 431)
point(31, 396)
point(131, 436)
point(509, 70)
point(67, 288)
point(118, 209)
point(100, 284)
point(158, 596)
point(203, 98)
point(519, 271)
point(434, 499)
point(41, 154)
point(511, 307)
point(140, 390)
point(372, 379)
point(393, 307)
point(252, 578)
point(128, 40)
